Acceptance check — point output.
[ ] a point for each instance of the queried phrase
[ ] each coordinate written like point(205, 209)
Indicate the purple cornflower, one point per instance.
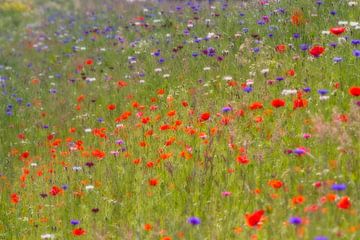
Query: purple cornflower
point(333, 44)
point(194, 220)
point(333, 12)
point(321, 238)
point(295, 220)
point(157, 53)
point(261, 22)
point(337, 59)
point(74, 222)
point(89, 164)
point(53, 91)
point(299, 151)
point(304, 47)
point(256, 50)
point(209, 52)
point(247, 89)
point(226, 109)
point(220, 58)
point(296, 35)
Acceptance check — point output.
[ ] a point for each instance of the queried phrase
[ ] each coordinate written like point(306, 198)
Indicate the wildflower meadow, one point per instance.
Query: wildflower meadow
point(168, 120)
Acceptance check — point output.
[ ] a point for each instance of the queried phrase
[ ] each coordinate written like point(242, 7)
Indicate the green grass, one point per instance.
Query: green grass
point(198, 169)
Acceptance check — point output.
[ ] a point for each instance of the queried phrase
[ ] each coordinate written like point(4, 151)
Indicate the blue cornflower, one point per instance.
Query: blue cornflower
point(355, 41)
point(323, 91)
point(307, 89)
point(356, 53)
point(295, 220)
point(338, 187)
point(226, 109)
point(333, 12)
point(198, 40)
point(279, 78)
point(194, 220)
point(304, 47)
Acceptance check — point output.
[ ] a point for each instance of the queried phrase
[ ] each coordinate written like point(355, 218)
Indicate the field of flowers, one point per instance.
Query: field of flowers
point(175, 120)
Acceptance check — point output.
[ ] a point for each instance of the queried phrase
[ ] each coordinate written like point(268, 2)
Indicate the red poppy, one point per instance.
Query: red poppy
point(337, 30)
point(147, 227)
point(316, 51)
point(160, 92)
point(89, 62)
point(122, 83)
point(242, 159)
point(256, 105)
point(25, 155)
point(78, 232)
point(55, 190)
point(276, 103)
point(204, 116)
point(298, 199)
point(354, 91)
point(111, 107)
point(80, 98)
point(280, 48)
point(291, 72)
point(15, 198)
point(185, 103)
point(300, 103)
point(276, 183)
point(297, 18)
point(153, 182)
point(254, 218)
point(344, 203)
point(21, 136)
point(140, 18)
point(98, 154)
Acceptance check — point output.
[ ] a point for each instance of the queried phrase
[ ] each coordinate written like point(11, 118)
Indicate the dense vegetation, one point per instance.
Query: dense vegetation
point(180, 119)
